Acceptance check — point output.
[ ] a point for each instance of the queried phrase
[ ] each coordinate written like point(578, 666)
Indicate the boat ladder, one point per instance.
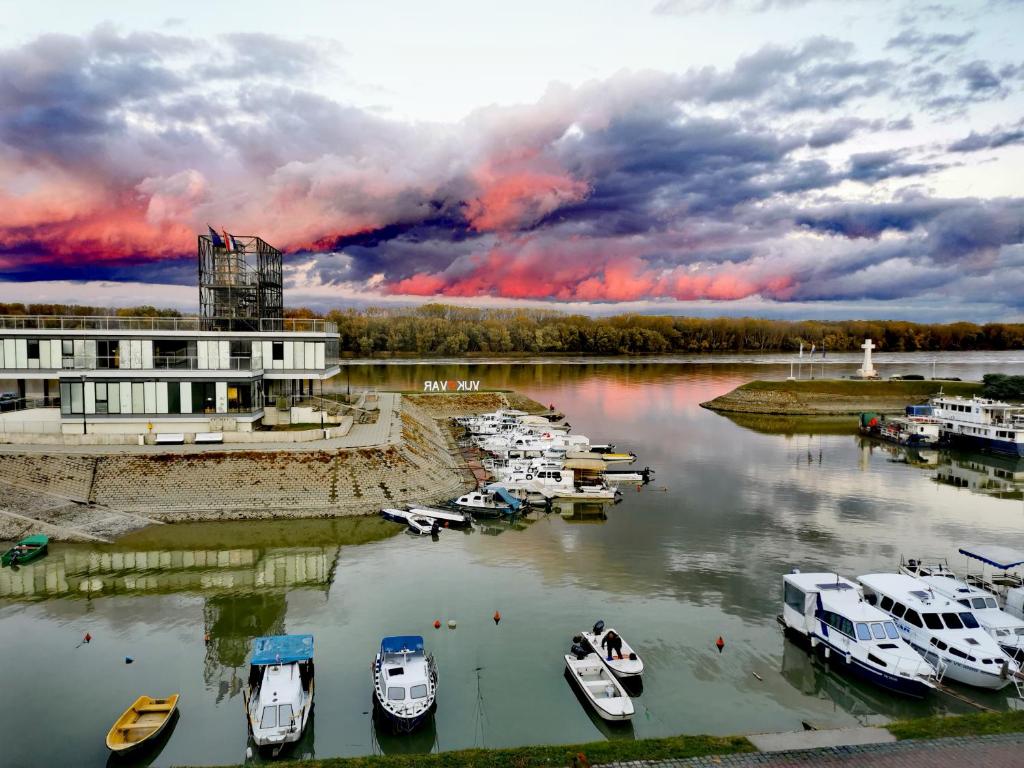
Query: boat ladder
point(940, 669)
point(1018, 683)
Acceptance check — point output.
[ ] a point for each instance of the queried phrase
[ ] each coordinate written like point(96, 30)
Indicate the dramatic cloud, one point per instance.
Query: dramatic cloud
point(795, 175)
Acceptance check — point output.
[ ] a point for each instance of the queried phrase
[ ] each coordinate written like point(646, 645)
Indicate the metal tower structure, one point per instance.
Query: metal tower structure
point(240, 289)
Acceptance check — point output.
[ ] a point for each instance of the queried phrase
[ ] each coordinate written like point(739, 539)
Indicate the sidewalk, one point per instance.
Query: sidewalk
point(1001, 751)
point(386, 429)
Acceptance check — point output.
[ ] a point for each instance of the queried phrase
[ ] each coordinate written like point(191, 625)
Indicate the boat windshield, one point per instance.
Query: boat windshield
point(890, 629)
point(863, 633)
point(284, 714)
point(878, 631)
point(952, 621)
point(418, 692)
point(269, 719)
point(968, 619)
point(396, 693)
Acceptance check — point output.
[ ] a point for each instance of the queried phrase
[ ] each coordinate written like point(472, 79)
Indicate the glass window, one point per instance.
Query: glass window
point(952, 621)
point(269, 719)
point(101, 397)
point(277, 350)
point(878, 631)
point(990, 602)
point(138, 398)
point(968, 619)
point(33, 349)
point(113, 397)
point(931, 620)
point(65, 398)
point(979, 602)
point(847, 626)
point(418, 692)
point(898, 609)
point(890, 629)
point(395, 693)
point(77, 402)
point(794, 597)
point(284, 714)
point(912, 617)
point(863, 633)
point(958, 652)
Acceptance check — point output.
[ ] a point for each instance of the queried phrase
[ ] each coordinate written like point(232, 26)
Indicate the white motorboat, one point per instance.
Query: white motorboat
point(446, 517)
point(622, 664)
point(1005, 629)
point(421, 525)
point(593, 493)
point(599, 687)
point(947, 634)
point(615, 476)
point(492, 501)
point(829, 614)
point(404, 682)
point(279, 695)
point(1008, 583)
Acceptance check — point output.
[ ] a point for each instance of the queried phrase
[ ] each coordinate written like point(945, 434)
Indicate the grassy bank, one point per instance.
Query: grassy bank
point(677, 747)
point(980, 724)
point(833, 397)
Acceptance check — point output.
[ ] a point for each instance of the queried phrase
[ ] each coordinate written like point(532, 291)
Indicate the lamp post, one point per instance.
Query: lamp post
point(85, 429)
point(348, 381)
point(321, 405)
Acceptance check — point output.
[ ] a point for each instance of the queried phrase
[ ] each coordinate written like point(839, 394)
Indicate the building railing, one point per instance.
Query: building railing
point(189, 324)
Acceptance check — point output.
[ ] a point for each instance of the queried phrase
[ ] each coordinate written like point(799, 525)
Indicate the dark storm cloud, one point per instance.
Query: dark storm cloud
point(875, 166)
point(994, 139)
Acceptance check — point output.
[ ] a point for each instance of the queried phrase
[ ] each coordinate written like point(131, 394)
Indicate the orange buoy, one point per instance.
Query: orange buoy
point(497, 616)
point(437, 623)
point(720, 643)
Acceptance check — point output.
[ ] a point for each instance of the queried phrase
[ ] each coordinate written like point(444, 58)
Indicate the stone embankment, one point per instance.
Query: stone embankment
point(101, 495)
point(832, 397)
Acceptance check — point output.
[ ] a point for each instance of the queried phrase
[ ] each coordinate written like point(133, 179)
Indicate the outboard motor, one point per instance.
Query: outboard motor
point(598, 628)
point(579, 651)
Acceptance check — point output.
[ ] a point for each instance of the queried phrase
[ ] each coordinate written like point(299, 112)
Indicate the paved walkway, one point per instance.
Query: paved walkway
point(387, 428)
point(1003, 751)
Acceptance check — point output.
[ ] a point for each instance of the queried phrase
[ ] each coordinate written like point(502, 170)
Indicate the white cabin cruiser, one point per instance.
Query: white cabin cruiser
point(980, 424)
point(830, 614)
point(1007, 630)
point(624, 663)
point(404, 682)
point(946, 633)
point(446, 517)
point(598, 686)
point(279, 696)
point(492, 501)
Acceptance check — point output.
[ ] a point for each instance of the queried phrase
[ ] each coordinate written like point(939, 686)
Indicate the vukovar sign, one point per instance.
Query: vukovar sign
point(451, 386)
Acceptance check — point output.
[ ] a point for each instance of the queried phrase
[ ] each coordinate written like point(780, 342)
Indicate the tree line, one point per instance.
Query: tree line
point(445, 330)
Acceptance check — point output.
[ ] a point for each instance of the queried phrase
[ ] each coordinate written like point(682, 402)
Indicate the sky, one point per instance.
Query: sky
point(778, 158)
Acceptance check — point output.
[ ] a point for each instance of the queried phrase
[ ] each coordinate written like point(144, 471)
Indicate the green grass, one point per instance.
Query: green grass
point(794, 425)
point(938, 727)
point(536, 757)
point(852, 387)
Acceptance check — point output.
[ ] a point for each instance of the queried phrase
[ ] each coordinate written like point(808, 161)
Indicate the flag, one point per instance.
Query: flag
point(228, 242)
point(215, 238)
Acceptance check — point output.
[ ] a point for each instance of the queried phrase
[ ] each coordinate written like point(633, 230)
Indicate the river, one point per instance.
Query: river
point(697, 554)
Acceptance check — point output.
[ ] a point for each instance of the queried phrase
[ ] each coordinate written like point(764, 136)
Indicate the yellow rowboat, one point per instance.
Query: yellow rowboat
point(142, 722)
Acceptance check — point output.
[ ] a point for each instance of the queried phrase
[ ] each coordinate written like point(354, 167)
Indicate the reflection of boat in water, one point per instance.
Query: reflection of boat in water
point(988, 474)
point(420, 742)
point(812, 676)
point(581, 511)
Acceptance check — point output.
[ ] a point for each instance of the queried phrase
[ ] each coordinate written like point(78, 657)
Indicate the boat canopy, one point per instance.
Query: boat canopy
point(402, 644)
point(281, 649)
point(502, 493)
point(586, 465)
point(1003, 558)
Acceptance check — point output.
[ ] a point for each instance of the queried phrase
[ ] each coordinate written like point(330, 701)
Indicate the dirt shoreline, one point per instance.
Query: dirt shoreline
point(833, 397)
point(102, 496)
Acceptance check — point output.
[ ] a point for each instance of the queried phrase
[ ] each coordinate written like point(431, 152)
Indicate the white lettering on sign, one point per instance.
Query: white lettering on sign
point(451, 386)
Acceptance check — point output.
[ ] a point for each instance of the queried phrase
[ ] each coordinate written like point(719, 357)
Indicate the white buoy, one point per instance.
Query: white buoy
point(451, 623)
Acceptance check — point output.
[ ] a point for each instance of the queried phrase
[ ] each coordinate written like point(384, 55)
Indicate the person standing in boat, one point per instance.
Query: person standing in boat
point(614, 644)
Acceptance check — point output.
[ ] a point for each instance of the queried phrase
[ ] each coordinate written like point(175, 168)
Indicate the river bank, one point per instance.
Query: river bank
point(833, 397)
point(103, 492)
point(650, 751)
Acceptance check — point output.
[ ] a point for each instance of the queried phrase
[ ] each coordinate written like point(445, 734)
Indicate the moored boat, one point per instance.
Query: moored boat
point(947, 634)
point(279, 696)
point(624, 663)
point(141, 723)
point(25, 551)
point(598, 685)
point(829, 614)
point(404, 682)
point(493, 501)
point(447, 517)
point(980, 424)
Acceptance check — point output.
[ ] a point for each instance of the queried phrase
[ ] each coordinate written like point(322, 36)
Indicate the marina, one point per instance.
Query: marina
point(671, 570)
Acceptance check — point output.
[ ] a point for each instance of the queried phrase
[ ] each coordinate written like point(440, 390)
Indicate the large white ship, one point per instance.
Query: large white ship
point(980, 424)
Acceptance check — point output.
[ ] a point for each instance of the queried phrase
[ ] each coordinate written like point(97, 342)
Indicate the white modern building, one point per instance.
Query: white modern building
point(137, 375)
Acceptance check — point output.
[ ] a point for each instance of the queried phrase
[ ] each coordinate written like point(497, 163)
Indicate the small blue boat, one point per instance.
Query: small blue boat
point(404, 683)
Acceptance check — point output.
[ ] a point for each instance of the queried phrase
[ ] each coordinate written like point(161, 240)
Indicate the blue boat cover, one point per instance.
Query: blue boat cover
point(281, 649)
point(505, 496)
point(400, 643)
point(1002, 558)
